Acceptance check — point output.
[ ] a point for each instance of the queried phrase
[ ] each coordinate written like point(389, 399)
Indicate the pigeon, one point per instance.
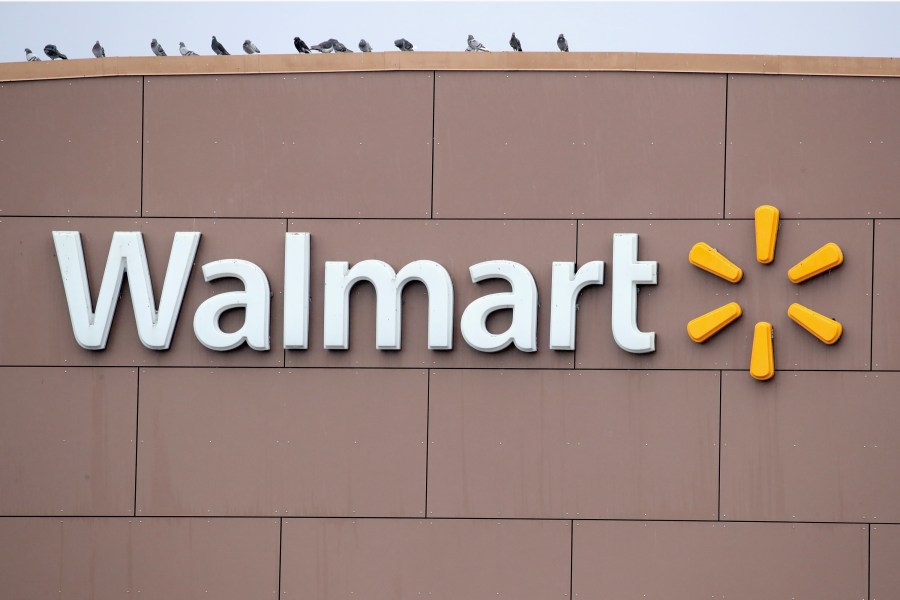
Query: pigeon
point(324, 47)
point(364, 46)
point(250, 47)
point(98, 50)
point(157, 48)
point(51, 51)
point(218, 48)
point(301, 46)
point(515, 43)
point(475, 45)
point(339, 47)
point(562, 43)
point(184, 51)
point(30, 57)
point(404, 45)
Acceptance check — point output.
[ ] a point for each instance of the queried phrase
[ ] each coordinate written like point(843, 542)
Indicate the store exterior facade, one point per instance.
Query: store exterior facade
point(518, 432)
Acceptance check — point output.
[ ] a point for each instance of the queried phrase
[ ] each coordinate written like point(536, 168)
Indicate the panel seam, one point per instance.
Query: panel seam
point(872, 305)
point(143, 86)
point(433, 141)
point(577, 264)
point(571, 558)
point(499, 367)
point(287, 227)
point(344, 517)
point(137, 440)
point(280, 544)
point(725, 153)
point(427, 430)
point(719, 482)
point(552, 219)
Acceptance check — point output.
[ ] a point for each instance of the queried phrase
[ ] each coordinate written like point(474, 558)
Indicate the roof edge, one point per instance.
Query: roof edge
point(452, 61)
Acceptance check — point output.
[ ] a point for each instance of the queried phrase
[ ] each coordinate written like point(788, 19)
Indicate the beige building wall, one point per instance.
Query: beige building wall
point(322, 474)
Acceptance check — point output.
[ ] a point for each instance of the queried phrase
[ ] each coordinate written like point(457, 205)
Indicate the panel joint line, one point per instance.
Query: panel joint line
point(725, 151)
point(872, 305)
point(433, 142)
point(137, 439)
point(280, 544)
point(719, 477)
point(427, 428)
point(142, 143)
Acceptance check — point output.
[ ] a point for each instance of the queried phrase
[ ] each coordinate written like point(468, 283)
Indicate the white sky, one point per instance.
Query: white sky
point(126, 28)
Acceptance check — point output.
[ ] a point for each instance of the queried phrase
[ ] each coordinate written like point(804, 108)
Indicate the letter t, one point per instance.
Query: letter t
point(628, 272)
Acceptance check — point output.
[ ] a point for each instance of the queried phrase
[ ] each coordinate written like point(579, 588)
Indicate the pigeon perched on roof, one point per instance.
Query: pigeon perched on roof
point(339, 47)
point(562, 44)
point(184, 50)
point(301, 46)
point(364, 46)
point(515, 43)
point(324, 47)
point(31, 57)
point(475, 45)
point(54, 53)
point(404, 45)
point(218, 48)
point(157, 48)
point(98, 50)
point(250, 47)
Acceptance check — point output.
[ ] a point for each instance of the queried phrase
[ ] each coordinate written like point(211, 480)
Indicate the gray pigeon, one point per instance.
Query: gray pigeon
point(515, 43)
point(562, 43)
point(98, 50)
point(250, 47)
point(364, 46)
point(219, 48)
point(184, 51)
point(157, 48)
point(404, 45)
point(30, 57)
point(301, 46)
point(324, 47)
point(339, 47)
point(51, 51)
point(475, 45)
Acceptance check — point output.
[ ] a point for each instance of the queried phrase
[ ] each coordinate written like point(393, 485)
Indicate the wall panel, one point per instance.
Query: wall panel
point(71, 148)
point(578, 145)
point(813, 146)
point(713, 560)
point(573, 444)
point(161, 559)
point(314, 145)
point(412, 558)
point(266, 442)
point(885, 558)
point(67, 441)
point(811, 447)
point(885, 324)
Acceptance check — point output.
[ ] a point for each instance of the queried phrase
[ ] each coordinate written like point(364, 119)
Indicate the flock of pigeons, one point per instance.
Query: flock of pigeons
point(329, 45)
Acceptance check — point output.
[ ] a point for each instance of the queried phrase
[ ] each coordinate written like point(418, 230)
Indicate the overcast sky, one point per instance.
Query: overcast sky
point(125, 29)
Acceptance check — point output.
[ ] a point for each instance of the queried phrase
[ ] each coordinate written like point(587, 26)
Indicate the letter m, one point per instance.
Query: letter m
point(339, 279)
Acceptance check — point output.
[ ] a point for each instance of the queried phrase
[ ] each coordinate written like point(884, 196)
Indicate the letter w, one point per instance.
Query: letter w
point(126, 254)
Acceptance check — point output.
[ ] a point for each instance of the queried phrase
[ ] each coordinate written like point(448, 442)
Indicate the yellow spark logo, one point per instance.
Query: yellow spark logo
point(762, 358)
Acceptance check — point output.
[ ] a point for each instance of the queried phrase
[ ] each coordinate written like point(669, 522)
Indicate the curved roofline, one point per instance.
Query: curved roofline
point(452, 61)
